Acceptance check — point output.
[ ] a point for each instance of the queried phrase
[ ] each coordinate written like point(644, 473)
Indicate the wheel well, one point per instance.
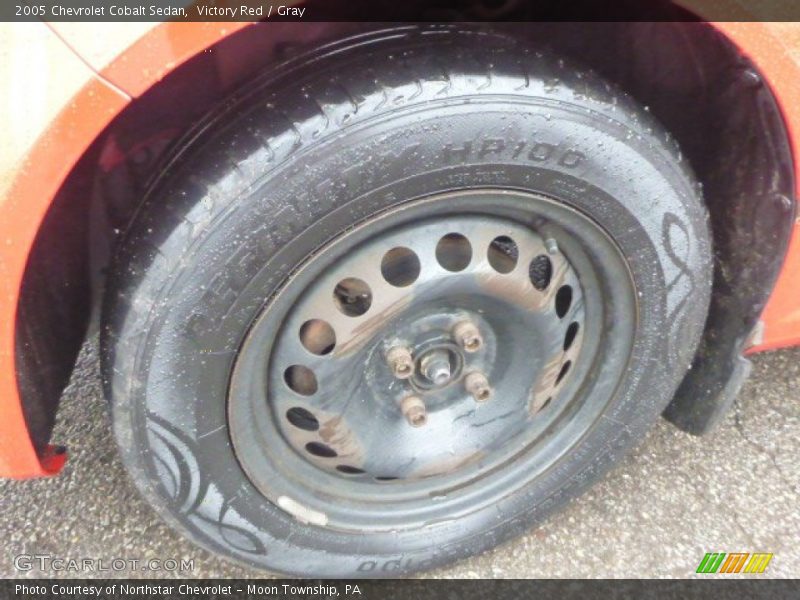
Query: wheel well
point(707, 94)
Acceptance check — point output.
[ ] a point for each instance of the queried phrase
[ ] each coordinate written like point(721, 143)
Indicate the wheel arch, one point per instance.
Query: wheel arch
point(45, 302)
point(116, 160)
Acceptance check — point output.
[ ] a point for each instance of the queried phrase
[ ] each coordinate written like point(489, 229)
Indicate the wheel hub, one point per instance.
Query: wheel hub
point(437, 366)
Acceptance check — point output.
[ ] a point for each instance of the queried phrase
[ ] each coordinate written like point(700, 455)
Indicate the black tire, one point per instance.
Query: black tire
point(360, 126)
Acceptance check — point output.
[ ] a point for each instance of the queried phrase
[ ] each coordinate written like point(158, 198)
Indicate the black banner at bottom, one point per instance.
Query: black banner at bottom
point(412, 589)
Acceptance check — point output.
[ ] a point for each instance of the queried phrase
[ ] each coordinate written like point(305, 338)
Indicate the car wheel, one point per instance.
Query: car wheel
point(400, 299)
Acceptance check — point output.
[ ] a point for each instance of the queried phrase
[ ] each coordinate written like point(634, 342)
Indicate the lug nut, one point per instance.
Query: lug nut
point(400, 362)
point(413, 409)
point(477, 385)
point(468, 336)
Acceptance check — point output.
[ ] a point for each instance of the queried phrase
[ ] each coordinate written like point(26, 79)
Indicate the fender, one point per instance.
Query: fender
point(106, 80)
point(99, 97)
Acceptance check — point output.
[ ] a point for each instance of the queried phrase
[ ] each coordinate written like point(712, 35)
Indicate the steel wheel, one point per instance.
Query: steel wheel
point(429, 362)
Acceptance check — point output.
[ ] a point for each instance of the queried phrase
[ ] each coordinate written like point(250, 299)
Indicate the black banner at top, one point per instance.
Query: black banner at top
point(397, 10)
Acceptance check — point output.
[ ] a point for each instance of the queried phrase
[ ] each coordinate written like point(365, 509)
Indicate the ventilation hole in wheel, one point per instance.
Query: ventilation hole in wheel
point(503, 254)
point(302, 418)
point(540, 272)
point(563, 300)
point(317, 336)
point(400, 266)
point(563, 372)
point(321, 450)
point(569, 337)
point(352, 296)
point(385, 478)
point(301, 380)
point(454, 252)
point(349, 470)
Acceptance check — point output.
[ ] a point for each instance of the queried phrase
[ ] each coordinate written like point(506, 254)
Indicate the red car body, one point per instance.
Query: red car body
point(103, 74)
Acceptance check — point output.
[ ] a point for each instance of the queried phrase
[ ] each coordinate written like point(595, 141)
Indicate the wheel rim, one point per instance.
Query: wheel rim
point(328, 425)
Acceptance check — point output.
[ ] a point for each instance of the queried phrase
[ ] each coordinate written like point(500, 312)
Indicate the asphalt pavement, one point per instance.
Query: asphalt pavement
point(672, 500)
